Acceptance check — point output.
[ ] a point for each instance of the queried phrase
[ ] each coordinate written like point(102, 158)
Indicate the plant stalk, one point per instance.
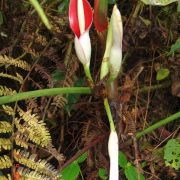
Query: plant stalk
point(44, 92)
point(108, 111)
point(158, 125)
point(88, 73)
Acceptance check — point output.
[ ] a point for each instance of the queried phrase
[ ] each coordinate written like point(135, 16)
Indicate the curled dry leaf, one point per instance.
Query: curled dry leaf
point(175, 88)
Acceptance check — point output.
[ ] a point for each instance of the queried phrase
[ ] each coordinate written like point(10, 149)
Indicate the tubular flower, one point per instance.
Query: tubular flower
point(113, 155)
point(80, 18)
point(115, 57)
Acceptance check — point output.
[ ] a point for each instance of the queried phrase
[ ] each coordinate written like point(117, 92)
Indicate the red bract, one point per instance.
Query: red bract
point(100, 15)
point(73, 16)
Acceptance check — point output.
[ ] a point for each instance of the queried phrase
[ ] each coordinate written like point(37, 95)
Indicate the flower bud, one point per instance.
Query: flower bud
point(113, 150)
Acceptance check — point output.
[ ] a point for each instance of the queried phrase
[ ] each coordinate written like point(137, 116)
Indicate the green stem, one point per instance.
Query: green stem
point(44, 92)
point(108, 111)
point(158, 125)
point(88, 73)
point(41, 13)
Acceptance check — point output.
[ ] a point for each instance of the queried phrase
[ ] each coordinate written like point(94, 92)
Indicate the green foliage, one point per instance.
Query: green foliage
point(58, 76)
point(122, 160)
point(162, 74)
point(72, 171)
point(102, 173)
point(175, 47)
point(158, 2)
point(130, 171)
point(111, 1)
point(63, 6)
point(172, 153)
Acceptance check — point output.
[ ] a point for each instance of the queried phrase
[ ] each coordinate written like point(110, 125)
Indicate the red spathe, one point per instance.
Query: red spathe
point(73, 16)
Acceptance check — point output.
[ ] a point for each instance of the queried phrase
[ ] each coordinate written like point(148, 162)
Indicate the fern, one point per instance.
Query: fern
point(5, 162)
point(5, 60)
point(7, 177)
point(38, 133)
point(40, 166)
point(31, 51)
point(8, 110)
point(17, 78)
point(59, 101)
point(40, 39)
point(5, 144)
point(5, 127)
point(21, 140)
point(27, 174)
point(44, 74)
point(6, 91)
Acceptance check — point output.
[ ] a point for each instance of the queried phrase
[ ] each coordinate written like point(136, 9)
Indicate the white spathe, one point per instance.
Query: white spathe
point(81, 17)
point(113, 149)
point(117, 28)
point(115, 61)
point(115, 58)
point(83, 48)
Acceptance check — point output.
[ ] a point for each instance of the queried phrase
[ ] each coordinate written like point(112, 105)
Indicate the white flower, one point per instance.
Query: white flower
point(115, 58)
point(80, 18)
point(83, 48)
point(113, 149)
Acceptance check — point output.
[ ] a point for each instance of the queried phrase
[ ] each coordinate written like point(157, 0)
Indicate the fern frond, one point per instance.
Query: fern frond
point(31, 51)
point(5, 127)
point(5, 60)
point(8, 110)
point(7, 177)
point(38, 133)
point(17, 78)
point(40, 39)
point(21, 140)
point(4, 91)
point(5, 143)
point(24, 129)
point(5, 162)
point(41, 166)
point(44, 74)
point(27, 174)
point(59, 101)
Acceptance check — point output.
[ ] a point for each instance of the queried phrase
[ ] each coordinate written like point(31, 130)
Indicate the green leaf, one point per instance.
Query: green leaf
point(58, 75)
point(111, 1)
point(175, 47)
point(71, 172)
point(1, 18)
point(122, 161)
point(82, 158)
point(162, 74)
point(158, 2)
point(172, 153)
point(63, 6)
point(102, 173)
point(131, 173)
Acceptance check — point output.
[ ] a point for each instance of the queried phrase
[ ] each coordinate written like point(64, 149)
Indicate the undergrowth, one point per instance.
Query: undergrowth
point(38, 134)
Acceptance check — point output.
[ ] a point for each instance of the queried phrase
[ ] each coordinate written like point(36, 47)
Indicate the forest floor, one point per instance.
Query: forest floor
point(148, 84)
